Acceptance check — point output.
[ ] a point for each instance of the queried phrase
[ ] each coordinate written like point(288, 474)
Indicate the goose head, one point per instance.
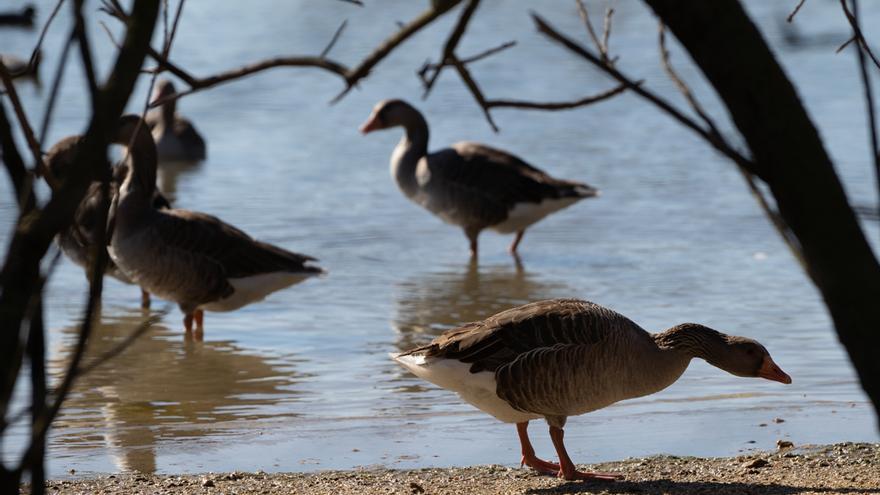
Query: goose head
point(134, 133)
point(392, 113)
point(740, 356)
point(164, 88)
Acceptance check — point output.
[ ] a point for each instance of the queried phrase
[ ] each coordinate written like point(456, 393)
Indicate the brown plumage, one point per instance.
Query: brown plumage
point(563, 357)
point(469, 184)
point(175, 136)
point(76, 241)
point(192, 258)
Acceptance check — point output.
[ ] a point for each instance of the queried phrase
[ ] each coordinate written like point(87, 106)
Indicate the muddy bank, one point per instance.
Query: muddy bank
point(830, 469)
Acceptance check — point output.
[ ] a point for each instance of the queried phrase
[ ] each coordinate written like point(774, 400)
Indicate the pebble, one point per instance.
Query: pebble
point(784, 444)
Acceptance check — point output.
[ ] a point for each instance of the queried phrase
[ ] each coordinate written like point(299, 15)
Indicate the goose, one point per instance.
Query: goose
point(191, 258)
point(77, 240)
point(24, 17)
point(470, 184)
point(177, 139)
point(564, 357)
point(18, 67)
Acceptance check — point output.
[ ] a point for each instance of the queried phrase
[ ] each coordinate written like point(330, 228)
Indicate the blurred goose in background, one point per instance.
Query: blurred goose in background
point(20, 68)
point(191, 258)
point(23, 17)
point(176, 137)
point(563, 357)
point(77, 241)
point(471, 185)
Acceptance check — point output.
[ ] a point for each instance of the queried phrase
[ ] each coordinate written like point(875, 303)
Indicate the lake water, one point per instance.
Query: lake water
point(302, 380)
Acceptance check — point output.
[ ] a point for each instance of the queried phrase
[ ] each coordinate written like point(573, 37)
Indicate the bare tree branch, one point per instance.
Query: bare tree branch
point(35, 52)
point(18, 172)
point(56, 86)
point(450, 46)
point(334, 39)
point(474, 88)
point(857, 32)
point(596, 60)
point(434, 67)
point(561, 105)
point(794, 12)
point(853, 17)
point(438, 8)
point(26, 127)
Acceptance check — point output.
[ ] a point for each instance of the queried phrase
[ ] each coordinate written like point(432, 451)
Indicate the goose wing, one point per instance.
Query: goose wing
point(480, 184)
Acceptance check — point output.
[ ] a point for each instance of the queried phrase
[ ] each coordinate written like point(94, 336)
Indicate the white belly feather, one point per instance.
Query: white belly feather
point(255, 288)
point(524, 214)
point(477, 389)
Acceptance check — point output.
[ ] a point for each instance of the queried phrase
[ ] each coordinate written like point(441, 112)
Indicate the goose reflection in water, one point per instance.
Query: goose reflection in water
point(162, 392)
point(435, 302)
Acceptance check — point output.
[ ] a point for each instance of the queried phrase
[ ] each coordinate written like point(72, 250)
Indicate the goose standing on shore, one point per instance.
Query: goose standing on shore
point(193, 259)
point(77, 241)
point(471, 185)
point(177, 139)
point(563, 357)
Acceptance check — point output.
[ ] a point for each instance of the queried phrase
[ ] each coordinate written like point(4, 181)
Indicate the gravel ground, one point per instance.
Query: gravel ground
point(847, 468)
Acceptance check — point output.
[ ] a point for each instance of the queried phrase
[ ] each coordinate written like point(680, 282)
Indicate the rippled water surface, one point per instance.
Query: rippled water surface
point(302, 381)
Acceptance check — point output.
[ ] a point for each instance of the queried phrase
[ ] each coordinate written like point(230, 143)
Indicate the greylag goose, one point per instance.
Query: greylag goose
point(193, 259)
point(24, 17)
point(177, 139)
point(77, 240)
point(20, 68)
point(471, 185)
point(563, 357)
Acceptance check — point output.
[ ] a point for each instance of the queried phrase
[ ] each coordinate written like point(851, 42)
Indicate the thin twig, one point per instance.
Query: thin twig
point(173, 32)
point(474, 88)
point(585, 18)
point(683, 88)
point(721, 146)
point(857, 32)
point(432, 67)
point(45, 29)
point(866, 85)
point(352, 76)
point(333, 40)
point(26, 128)
point(56, 86)
point(747, 167)
point(795, 11)
point(560, 105)
point(606, 32)
point(845, 44)
point(451, 44)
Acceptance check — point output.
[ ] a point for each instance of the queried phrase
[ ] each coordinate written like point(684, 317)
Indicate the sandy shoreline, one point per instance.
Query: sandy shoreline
point(847, 468)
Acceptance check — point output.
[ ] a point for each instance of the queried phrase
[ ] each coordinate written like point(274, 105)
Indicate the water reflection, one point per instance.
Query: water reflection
point(169, 173)
point(436, 301)
point(162, 391)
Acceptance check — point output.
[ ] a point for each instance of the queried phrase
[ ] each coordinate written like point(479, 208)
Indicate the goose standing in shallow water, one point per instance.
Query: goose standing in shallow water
point(471, 185)
point(563, 357)
point(77, 240)
point(177, 139)
point(194, 259)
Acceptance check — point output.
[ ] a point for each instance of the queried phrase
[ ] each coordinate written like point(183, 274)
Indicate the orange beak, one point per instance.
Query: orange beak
point(770, 371)
point(371, 124)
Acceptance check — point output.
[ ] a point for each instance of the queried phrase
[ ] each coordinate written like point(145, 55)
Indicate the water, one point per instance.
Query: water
point(302, 381)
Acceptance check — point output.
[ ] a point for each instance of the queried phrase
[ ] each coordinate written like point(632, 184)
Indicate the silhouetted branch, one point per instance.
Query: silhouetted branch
point(450, 46)
point(333, 40)
point(795, 11)
point(56, 86)
point(560, 105)
point(601, 45)
point(26, 128)
point(853, 17)
point(474, 88)
point(857, 31)
point(43, 32)
point(633, 85)
point(18, 172)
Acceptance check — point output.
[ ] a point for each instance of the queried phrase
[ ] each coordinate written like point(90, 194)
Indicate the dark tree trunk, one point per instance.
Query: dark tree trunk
point(792, 160)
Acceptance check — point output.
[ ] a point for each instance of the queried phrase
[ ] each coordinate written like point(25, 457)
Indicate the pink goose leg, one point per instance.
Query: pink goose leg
point(528, 453)
point(567, 468)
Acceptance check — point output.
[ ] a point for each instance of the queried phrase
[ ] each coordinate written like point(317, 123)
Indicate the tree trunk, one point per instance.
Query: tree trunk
point(792, 160)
